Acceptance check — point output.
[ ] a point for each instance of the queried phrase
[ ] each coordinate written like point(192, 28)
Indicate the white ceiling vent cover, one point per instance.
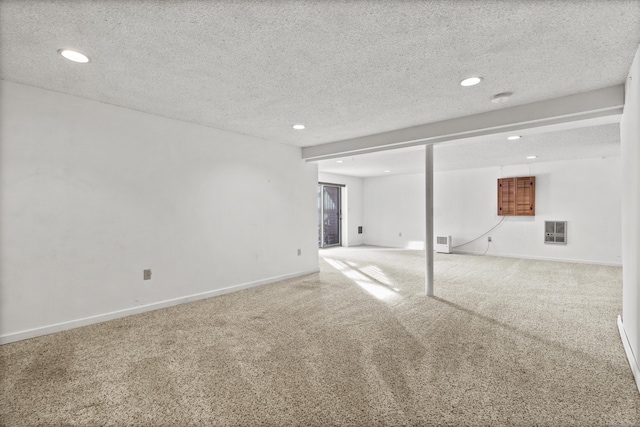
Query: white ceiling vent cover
point(443, 244)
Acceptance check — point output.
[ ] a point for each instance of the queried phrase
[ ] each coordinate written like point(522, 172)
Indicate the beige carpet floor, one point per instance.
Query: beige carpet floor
point(507, 342)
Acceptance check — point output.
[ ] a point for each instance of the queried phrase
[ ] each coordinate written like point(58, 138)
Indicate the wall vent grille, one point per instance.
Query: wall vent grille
point(443, 244)
point(555, 232)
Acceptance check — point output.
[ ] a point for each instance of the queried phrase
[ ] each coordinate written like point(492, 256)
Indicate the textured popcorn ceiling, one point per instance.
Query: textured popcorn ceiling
point(343, 68)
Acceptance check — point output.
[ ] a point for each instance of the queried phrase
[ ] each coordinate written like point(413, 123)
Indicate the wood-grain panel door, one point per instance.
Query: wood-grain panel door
point(525, 196)
point(506, 196)
point(517, 196)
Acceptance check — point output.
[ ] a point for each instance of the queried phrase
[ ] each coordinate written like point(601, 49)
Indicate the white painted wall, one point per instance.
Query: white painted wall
point(352, 205)
point(586, 193)
point(630, 137)
point(394, 211)
point(92, 194)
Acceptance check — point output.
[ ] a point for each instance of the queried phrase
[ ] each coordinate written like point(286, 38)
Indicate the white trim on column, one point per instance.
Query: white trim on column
point(629, 351)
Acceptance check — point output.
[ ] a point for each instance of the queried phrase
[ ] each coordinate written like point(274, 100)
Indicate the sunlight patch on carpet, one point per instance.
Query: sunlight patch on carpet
point(370, 278)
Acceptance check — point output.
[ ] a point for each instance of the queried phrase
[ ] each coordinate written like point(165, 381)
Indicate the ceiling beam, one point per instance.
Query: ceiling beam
point(584, 109)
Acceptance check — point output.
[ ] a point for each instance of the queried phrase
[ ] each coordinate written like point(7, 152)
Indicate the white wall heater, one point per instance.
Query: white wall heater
point(443, 244)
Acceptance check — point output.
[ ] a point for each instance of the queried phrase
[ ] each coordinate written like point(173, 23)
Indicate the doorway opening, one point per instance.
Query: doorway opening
point(329, 215)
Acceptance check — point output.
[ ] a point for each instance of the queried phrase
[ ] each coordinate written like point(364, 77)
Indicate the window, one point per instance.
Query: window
point(329, 215)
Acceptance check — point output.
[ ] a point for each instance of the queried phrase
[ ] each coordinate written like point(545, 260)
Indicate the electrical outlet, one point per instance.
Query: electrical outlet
point(489, 239)
point(299, 252)
point(147, 274)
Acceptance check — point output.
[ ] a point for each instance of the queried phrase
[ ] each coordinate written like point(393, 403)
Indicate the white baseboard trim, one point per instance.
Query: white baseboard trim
point(85, 321)
point(467, 252)
point(627, 349)
point(574, 261)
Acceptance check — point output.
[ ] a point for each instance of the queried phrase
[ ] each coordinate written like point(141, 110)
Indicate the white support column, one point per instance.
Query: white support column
point(428, 241)
point(629, 324)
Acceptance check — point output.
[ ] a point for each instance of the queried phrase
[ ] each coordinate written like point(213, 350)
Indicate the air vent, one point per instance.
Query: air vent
point(555, 232)
point(443, 244)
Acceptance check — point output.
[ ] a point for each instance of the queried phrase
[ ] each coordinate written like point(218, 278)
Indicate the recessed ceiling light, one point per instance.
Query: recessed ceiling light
point(471, 81)
point(532, 157)
point(339, 161)
point(501, 97)
point(299, 127)
point(387, 171)
point(74, 56)
point(513, 137)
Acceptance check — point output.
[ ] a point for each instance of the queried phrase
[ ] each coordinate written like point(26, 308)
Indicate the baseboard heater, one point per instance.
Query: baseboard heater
point(443, 244)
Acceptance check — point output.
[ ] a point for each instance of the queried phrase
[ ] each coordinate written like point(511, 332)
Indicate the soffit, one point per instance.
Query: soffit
point(573, 144)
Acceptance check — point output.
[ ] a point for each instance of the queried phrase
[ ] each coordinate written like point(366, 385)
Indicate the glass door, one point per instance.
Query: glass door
point(329, 215)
